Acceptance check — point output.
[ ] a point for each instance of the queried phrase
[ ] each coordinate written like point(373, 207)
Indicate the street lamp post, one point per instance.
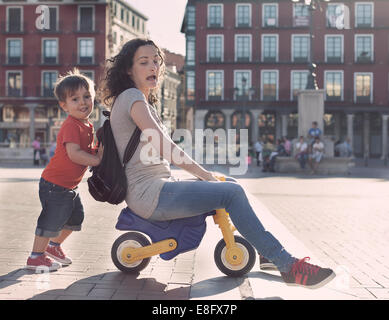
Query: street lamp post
point(245, 97)
point(312, 5)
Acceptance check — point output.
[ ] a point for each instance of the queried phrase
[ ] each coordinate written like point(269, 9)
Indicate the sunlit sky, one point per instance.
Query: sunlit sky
point(164, 24)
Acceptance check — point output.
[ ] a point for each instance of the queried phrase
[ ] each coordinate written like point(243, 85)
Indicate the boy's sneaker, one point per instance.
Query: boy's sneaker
point(56, 253)
point(42, 263)
point(307, 275)
point(265, 264)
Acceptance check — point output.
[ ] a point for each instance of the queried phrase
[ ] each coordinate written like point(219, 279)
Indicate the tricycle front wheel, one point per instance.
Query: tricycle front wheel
point(231, 270)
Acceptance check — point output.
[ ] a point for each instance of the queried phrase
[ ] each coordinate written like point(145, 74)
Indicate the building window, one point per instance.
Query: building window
point(14, 19)
point(363, 48)
point(215, 15)
point(270, 15)
point(14, 53)
point(190, 85)
point(300, 15)
point(242, 48)
point(86, 19)
point(191, 18)
point(215, 48)
point(190, 50)
point(50, 51)
point(242, 84)
point(269, 83)
point(243, 15)
point(363, 84)
point(214, 120)
point(363, 15)
point(269, 48)
point(334, 85)
point(299, 82)
point(215, 81)
point(48, 80)
point(88, 73)
point(300, 48)
point(14, 84)
point(334, 48)
point(335, 11)
point(86, 51)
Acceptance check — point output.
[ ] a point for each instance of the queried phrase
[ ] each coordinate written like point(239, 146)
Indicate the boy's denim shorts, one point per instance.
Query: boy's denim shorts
point(61, 209)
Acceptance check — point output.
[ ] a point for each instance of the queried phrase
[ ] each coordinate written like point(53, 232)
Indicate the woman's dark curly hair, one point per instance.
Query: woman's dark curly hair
point(116, 78)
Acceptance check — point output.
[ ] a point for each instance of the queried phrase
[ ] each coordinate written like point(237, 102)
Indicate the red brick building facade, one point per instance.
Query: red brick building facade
point(35, 51)
point(253, 56)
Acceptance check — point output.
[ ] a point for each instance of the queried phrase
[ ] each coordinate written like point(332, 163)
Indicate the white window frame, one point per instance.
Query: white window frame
point(355, 44)
point(342, 45)
point(329, 4)
point(43, 48)
point(325, 83)
point(88, 70)
point(277, 82)
point(263, 13)
point(263, 44)
point(7, 72)
point(250, 13)
point(208, 13)
point(291, 80)
point(249, 80)
point(42, 79)
point(21, 18)
point(78, 48)
point(190, 38)
point(215, 35)
point(93, 16)
point(371, 84)
point(236, 47)
point(206, 82)
point(355, 12)
point(7, 46)
point(292, 44)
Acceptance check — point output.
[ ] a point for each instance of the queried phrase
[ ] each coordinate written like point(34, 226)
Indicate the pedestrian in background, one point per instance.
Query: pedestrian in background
point(258, 149)
point(62, 210)
point(36, 145)
point(301, 152)
point(317, 154)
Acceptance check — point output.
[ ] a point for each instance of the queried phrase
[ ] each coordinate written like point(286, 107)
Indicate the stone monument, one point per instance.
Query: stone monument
point(310, 109)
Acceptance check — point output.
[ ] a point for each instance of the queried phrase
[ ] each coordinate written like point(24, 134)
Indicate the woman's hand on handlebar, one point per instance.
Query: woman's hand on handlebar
point(208, 176)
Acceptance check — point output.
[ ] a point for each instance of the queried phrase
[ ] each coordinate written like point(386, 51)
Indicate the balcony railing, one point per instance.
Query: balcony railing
point(13, 92)
point(13, 29)
point(44, 92)
point(13, 61)
point(79, 28)
point(49, 60)
point(260, 95)
point(86, 60)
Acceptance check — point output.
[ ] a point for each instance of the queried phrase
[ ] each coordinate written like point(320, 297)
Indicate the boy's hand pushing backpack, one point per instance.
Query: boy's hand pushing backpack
point(108, 182)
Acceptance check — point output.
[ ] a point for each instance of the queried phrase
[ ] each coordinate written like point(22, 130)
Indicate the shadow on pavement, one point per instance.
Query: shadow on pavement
point(117, 286)
point(214, 286)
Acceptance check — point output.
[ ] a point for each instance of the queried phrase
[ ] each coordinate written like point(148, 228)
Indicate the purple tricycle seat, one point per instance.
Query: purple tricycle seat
point(188, 232)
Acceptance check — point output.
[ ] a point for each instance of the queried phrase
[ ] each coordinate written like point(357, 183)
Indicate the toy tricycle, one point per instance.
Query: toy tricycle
point(132, 251)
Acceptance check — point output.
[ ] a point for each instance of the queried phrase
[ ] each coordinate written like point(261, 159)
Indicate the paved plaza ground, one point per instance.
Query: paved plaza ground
point(339, 221)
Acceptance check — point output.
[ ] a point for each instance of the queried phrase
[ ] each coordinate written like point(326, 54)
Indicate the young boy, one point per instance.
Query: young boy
point(62, 210)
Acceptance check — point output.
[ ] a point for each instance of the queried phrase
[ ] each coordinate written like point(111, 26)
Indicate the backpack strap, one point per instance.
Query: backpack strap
point(132, 145)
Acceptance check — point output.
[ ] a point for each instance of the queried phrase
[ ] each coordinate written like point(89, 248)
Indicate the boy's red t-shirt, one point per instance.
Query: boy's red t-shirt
point(61, 170)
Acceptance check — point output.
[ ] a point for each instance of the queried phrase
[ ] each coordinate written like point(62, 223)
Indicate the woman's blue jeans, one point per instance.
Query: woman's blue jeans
point(180, 199)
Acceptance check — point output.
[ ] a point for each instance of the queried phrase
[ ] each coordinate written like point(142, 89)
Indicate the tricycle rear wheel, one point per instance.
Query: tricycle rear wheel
point(129, 240)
